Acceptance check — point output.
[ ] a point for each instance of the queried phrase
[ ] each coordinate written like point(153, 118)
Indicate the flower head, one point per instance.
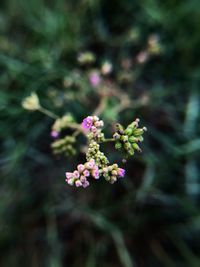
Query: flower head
point(87, 123)
point(86, 184)
point(68, 175)
point(95, 173)
point(80, 167)
point(121, 172)
point(78, 183)
point(94, 78)
point(54, 134)
point(31, 102)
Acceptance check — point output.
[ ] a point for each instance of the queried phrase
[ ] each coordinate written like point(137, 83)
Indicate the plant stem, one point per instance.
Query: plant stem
point(108, 140)
point(48, 113)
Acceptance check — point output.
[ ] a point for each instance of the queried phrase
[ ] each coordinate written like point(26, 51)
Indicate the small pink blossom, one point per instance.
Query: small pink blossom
point(90, 164)
point(94, 79)
point(95, 173)
point(76, 174)
point(54, 134)
point(87, 123)
point(86, 173)
point(80, 167)
point(78, 183)
point(68, 175)
point(83, 179)
point(121, 172)
point(86, 184)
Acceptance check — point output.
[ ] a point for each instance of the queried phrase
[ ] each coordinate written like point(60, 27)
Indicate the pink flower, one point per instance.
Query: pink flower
point(94, 79)
point(83, 179)
point(80, 167)
point(68, 175)
point(76, 174)
point(86, 184)
point(95, 173)
point(87, 123)
point(54, 134)
point(78, 183)
point(86, 173)
point(90, 164)
point(121, 172)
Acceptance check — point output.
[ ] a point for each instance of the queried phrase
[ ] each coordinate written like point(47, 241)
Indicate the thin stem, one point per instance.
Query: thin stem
point(108, 140)
point(76, 133)
point(48, 113)
point(100, 108)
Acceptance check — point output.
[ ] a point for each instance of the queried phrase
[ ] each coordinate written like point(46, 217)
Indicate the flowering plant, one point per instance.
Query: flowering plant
point(97, 164)
point(125, 139)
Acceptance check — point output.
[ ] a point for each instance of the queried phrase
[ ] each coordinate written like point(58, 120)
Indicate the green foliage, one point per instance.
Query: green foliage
point(151, 218)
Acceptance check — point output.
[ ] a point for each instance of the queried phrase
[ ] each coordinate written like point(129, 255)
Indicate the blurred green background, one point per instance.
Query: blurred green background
point(151, 218)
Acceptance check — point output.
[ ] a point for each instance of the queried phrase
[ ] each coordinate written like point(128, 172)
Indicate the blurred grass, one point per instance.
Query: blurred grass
point(152, 217)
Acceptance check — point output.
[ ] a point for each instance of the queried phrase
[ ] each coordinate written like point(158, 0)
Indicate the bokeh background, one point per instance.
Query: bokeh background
point(149, 219)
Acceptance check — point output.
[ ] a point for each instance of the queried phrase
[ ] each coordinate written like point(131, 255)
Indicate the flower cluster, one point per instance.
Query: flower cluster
point(64, 146)
point(93, 125)
point(97, 163)
point(61, 124)
point(127, 139)
point(95, 153)
point(79, 177)
point(112, 173)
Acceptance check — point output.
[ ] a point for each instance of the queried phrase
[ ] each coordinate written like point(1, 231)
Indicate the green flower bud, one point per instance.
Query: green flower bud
point(138, 132)
point(124, 138)
point(136, 147)
point(129, 131)
point(127, 146)
point(131, 152)
point(119, 128)
point(118, 145)
point(133, 139)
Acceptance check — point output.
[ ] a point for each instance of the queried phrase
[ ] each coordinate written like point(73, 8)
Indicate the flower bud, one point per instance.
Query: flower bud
point(129, 131)
point(124, 138)
point(118, 145)
point(31, 102)
point(136, 147)
point(119, 128)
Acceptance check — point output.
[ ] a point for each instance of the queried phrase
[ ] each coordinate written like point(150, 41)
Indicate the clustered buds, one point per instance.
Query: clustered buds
point(79, 177)
point(97, 163)
point(64, 146)
point(128, 139)
point(112, 173)
point(94, 125)
point(95, 153)
point(61, 124)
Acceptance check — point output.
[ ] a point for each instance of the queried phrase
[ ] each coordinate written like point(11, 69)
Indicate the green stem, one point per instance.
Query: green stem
point(48, 113)
point(108, 140)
